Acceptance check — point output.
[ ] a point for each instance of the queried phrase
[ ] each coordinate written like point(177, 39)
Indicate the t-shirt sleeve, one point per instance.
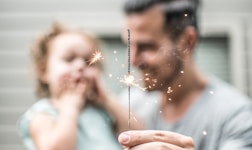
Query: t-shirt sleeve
point(23, 123)
point(238, 130)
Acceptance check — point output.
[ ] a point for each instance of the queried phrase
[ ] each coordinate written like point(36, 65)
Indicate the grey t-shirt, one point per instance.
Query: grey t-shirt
point(221, 118)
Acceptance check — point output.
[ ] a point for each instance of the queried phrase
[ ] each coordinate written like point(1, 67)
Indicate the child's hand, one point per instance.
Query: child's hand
point(96, 92)
point(72, 91)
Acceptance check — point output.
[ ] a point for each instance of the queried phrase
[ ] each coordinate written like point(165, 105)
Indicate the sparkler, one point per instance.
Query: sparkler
point(97, 55)
point(130, 78)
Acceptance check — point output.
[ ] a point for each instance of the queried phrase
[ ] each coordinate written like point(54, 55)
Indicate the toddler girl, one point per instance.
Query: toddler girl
point(74, 110)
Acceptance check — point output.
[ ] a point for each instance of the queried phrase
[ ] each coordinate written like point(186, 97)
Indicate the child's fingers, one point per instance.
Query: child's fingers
point(81, 86)
point(63, 84)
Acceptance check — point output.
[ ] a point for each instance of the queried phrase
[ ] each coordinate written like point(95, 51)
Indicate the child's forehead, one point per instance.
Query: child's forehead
point(72, 37)
point(72, 42)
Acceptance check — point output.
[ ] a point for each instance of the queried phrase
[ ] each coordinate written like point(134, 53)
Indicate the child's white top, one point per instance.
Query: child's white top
point(95, 130)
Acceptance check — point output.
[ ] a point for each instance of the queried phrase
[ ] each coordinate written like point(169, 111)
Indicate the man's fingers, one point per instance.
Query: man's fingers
point(133, 138)
point(156, 145)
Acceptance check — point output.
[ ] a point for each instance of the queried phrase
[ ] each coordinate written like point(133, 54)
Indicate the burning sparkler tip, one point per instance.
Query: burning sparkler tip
point(97, 56)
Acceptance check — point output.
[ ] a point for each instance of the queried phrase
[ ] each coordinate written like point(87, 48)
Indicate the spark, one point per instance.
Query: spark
point(129, 80)
point(182, 72)
point(169, 90)
point(97, 55)
point(204, 133)
point(211, 92)
point(154, 80)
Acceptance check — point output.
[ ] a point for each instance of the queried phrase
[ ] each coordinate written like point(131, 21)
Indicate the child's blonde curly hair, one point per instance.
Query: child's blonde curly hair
point(40, 53)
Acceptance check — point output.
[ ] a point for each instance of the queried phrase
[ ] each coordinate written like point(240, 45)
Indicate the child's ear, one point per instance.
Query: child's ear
point(187, 42)
point(42, 74)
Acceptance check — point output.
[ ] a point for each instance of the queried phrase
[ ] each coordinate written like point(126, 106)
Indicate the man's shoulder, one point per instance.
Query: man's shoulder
point(225, 97)
point(226, 92)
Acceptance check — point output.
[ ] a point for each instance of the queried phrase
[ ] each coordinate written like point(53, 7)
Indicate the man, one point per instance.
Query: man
point(216, 116)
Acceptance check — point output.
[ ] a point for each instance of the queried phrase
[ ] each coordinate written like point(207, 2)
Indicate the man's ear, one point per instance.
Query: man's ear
point(187, 41)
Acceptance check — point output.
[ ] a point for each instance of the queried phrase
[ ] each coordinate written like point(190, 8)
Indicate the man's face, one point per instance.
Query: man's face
point(152, 51)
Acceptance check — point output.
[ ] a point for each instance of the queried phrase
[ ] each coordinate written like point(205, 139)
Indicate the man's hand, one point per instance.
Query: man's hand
point(155, 139)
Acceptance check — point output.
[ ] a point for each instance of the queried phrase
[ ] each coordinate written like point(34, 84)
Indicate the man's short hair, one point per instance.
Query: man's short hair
point(179, 14)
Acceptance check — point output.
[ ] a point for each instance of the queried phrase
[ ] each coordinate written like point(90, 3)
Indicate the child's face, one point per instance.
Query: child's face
point(68, 56)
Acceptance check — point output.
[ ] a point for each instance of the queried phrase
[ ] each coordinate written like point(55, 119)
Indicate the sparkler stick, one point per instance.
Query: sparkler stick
point(129, 75)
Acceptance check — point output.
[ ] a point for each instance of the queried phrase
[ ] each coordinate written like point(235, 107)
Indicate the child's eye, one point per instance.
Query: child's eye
point(69, 59)
point(86, 60)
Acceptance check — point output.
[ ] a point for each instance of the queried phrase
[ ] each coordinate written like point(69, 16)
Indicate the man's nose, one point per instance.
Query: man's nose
point(135, 57)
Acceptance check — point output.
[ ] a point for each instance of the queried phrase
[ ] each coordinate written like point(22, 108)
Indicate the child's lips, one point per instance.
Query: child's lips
point(79, 80)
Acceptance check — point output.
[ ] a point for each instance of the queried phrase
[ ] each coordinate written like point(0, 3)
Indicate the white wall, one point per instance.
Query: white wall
point(231, 18)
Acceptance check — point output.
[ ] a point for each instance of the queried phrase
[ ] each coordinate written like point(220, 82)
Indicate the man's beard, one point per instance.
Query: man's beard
point(152, 84)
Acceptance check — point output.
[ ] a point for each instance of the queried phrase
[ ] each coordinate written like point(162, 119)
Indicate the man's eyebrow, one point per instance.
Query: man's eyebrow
point(147, 44)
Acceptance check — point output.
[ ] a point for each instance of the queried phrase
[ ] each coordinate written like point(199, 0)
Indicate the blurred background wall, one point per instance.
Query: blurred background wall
point(225, 49)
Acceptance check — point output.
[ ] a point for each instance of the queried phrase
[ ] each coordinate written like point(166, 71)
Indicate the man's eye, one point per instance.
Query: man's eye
point(147, 46)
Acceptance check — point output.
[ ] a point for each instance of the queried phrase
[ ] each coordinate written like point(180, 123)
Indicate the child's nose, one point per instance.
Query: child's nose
point(80, 64)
